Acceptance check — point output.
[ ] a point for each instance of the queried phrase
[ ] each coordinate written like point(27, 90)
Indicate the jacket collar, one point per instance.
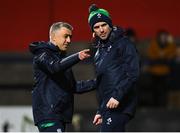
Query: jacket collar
point(36, 46)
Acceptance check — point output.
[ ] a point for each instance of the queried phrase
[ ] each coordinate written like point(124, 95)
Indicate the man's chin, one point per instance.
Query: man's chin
point(63, 49)
point(103, 38)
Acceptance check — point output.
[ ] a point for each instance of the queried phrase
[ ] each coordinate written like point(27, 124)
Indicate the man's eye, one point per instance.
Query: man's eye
point(104, 25)
point(66, 36)
point(96, 27)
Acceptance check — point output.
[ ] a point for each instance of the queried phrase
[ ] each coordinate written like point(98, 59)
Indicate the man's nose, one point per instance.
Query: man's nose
point(68, 39)
point(101, 29)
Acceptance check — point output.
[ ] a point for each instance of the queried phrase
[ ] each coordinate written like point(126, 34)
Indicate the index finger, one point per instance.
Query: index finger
point(86, 50)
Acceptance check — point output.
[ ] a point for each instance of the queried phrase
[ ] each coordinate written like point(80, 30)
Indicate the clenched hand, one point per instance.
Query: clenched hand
point(112, 103)
point(97, 119)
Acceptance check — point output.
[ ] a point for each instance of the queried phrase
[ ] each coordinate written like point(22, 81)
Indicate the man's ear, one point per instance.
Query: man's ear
point(53, 36)
point(93, 35)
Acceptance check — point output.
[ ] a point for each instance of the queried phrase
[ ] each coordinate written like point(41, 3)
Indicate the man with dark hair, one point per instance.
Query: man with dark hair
point(54, 83)
point(117, 69)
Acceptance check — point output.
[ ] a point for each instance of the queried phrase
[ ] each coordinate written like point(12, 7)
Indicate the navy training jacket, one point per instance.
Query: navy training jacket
point(54, 83)
point(117, 69)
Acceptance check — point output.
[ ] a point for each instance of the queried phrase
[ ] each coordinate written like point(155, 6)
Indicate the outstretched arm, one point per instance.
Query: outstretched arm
point(51, 65)
point(85, 86)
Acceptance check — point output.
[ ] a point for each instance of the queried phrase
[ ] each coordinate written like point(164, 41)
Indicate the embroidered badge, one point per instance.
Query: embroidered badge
point(99, 15)
point(109, 120)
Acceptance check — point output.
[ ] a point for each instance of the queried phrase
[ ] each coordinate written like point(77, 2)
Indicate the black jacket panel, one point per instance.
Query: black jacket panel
point(52, 95)
point(117, 68)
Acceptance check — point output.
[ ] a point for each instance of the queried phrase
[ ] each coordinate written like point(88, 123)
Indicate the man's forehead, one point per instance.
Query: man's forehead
point(99, 24)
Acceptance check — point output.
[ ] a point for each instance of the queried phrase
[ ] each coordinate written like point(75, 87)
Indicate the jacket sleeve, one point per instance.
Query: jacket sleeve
point(85, 86)
point(132, 70)
point(45, 61)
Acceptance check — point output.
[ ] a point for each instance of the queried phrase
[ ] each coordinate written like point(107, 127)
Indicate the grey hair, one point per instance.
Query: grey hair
point(59, 25)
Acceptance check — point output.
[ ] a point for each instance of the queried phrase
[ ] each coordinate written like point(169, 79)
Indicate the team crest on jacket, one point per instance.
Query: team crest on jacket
point(109, 120)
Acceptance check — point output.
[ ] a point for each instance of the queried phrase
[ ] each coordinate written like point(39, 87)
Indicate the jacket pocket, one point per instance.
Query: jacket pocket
point(60, 104)
point(57, 99)
point(37, 105)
